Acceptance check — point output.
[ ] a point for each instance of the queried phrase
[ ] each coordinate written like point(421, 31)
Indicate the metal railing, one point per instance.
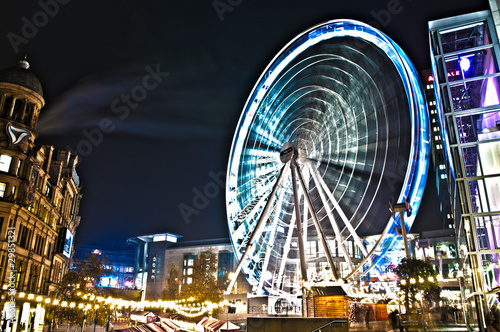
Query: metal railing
point(318, 329)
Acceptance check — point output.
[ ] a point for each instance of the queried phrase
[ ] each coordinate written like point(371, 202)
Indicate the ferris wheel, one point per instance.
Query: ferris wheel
point(335, 126)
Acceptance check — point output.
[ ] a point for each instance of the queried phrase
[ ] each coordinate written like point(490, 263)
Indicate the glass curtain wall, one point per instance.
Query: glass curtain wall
point(464, 55)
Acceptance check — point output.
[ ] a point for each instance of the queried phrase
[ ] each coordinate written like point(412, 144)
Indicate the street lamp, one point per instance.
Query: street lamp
point(84, 319)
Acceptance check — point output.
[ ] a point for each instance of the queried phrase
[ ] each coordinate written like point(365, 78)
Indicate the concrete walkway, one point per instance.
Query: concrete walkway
point(384, 326)
point(375, 326)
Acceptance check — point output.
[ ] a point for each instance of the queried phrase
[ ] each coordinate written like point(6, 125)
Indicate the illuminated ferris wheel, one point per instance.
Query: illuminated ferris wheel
point(335, 126)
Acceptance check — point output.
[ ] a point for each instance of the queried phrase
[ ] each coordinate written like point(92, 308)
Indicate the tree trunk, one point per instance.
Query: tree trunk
point(407, 301)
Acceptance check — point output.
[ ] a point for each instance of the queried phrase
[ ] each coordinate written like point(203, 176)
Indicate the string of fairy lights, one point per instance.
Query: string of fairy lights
point(187, 307)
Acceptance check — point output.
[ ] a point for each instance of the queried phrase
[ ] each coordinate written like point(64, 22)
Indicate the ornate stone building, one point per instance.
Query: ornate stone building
point(39, 194)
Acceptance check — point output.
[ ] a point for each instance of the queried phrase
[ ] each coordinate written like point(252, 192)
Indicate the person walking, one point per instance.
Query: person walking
point(393, 316)
point(367, 317)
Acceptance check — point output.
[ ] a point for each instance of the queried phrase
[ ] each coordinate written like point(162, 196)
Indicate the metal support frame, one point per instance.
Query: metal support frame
point(300, 237)
point(257, 230)
point(319, 230)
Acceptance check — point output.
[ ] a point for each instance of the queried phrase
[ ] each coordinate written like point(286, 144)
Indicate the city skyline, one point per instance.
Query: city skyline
point(150, 102)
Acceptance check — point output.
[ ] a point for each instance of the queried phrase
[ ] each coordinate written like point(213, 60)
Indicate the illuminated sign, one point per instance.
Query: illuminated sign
point(164, 237)
point(16, 135)
point(451, 73)
point(171, 238)
point(65, 243)
point(159, 238)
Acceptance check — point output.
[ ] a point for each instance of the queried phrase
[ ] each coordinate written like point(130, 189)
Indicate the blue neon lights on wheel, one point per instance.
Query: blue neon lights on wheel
point(351, 103)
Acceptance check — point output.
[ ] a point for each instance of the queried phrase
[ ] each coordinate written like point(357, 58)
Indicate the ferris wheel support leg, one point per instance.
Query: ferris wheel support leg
point(402, 208)
point(335, 227)
point(300, 236)
point(316, 224)
point(257, 229)
point(270, 244)
point(403, 233)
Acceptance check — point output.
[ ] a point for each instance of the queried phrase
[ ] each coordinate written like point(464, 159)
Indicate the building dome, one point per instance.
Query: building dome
point(22, 76)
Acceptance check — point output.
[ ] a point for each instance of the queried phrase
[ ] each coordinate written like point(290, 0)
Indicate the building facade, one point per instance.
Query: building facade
point(442, 170)
point(465, 68)
point(119, 259)
point(39, 199)
point(157, 255)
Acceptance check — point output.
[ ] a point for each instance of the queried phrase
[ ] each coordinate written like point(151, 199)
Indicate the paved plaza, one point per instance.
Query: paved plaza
point(374, 326)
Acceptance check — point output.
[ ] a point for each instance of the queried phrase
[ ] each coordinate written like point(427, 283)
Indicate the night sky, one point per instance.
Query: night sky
point(149, 94)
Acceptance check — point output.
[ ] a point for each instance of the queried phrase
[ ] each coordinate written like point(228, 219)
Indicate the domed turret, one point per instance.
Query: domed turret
point(21, 75)
point(21, 99)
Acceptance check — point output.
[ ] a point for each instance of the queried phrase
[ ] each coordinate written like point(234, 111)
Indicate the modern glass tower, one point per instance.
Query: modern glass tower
point(464, 55)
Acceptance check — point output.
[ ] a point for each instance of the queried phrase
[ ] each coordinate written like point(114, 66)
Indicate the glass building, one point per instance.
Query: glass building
point(464, 55)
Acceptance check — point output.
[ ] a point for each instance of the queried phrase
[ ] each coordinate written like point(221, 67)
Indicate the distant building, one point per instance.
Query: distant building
point(442, 170)
point(157, 253)
point(119, 259)
point(39, 200)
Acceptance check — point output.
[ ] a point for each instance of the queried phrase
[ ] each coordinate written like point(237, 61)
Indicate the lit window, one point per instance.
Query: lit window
point(189, 280)
point(3, 185)
point(443, 176)
point(5, 161)
point(189, 271)
point(190, 262)
point(18, 167)
point(441, 166)
point(439, 146)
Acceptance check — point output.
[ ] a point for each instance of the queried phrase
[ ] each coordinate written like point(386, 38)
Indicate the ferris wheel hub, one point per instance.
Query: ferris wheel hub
point(287, 152)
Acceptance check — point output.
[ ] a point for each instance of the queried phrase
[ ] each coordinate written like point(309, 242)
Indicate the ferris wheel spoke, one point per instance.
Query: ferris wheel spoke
point(259, 185)
point(337, 207)
point(335, 227)
point(306, 215)
point(258, 227)
point(286, 251)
